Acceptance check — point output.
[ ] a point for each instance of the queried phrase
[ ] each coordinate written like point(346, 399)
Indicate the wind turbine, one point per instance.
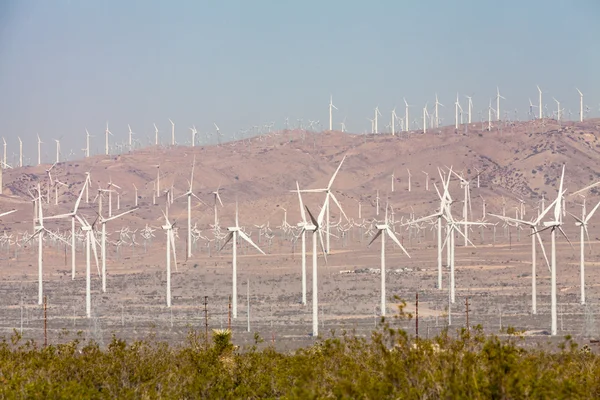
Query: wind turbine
point(189, 195)
point(583, 223)
point(393, 123)
point(194, 133)
point(218, 133)
point(554, 225)
point(382, 230)
point(168, 227)
point(39, 150)
point(234, 231)
point(580, 105)
point(425, 115)
point(39, 232)
point(470, 107)
point(89, 238)
point(437, 119)
point(155, 135)
point(557, 109)
point(456, 108)
point(329, 195)
point(87, 143)
point(406, 120)
point(304, 226)
point(20, 153)
point(331, 107)
point(217, 197)
point(409, 176)
point(57, 150)
point(130, 137)
point(316, 228)
point(377, 113)
point(172, 132)
point(426, 180)
point(534, 236)
point(490, 109)
point(498, 97)
point(106, 133)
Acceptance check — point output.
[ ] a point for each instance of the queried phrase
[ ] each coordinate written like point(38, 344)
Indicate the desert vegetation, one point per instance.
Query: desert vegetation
point(466, 363)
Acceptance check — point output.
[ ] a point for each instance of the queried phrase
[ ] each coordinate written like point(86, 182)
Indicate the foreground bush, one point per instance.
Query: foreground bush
point(388, 365)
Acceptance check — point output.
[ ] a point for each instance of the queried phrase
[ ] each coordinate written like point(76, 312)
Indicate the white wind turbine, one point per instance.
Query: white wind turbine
point(39, 150)
point(106, 133)
point(498, 97)
point(470, 107)
point(409, 176)
point(20, 153)
point(89, 238)
point(490, 109)
point(103, 222)
point(425, 115)
point(155, 135)
point(331, 107)
point(39, 232)
point(316, 227)
point(130, 137)
point(234, 231)
point(87, 143)
point(437, 118)
point(534, 236)
point(557, 109)
point(57, 150)
point(172, 132)
point(304, 225)
point(189, 195)
point(393, 122)
point(406, 120)
point(329, 195)
point(382, 230)
point(168, 227)
point(583, 232)
point(194, 133)
point(377, 113)
point(426, 180)
point(217, 198)
point(456, 107)
point(554, 225)
point(73, 216)
point(580, 105)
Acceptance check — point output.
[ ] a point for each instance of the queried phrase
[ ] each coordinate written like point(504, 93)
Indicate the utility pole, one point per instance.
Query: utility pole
point(229, 314)
point(417, 317)
point(206, 320)
point(467, 309)
point(45, 321)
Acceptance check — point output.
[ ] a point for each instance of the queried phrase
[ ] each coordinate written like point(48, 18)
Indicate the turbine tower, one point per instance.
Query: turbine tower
point(331, 107)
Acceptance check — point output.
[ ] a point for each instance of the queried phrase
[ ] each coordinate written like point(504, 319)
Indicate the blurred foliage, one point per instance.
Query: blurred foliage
point(389, 364)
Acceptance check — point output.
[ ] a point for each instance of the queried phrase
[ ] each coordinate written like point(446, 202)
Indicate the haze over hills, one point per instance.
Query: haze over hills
point(521, 160)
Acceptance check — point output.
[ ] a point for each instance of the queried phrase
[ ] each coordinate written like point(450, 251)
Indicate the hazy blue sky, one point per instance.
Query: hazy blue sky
point(70, 65)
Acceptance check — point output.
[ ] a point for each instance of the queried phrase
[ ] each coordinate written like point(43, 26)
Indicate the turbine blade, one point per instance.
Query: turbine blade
point(337, 203)
point(375, 237)
point(302, 213)
point(565, 235)
point(172, 238)
point(247, 239)
point(395, 239)
point(336, 172)
point(322, 245)
point(227, 239)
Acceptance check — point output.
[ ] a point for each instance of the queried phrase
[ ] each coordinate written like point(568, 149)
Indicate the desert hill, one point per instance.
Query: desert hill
point(518, 160)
